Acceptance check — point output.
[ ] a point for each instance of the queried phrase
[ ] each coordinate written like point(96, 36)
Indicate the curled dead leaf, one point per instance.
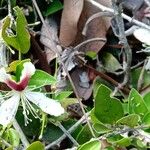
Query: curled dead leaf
point(70, 16)
point(97, 27)
point(50, 39)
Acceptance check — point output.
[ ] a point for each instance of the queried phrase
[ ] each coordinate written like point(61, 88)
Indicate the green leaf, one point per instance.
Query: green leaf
point(135, 74)
point(91, 145)
point(110, 63)
point(109, 148)
point(147, 100)
point(63, 95)
point(97, 82)
point(36, 146)
point(106, 106)
point(42, 78)
point(119, 140)
point(146, 119)
point(14, 137)
point(20, 41)
point(101, 128)
point(137, 104)
point(91, 54)
point(130, 120)
point(53, 7)
point(84, 135)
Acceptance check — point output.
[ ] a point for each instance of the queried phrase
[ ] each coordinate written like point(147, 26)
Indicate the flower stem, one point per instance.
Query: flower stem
point(43, 125)
point(21, 134)
point(19, 55)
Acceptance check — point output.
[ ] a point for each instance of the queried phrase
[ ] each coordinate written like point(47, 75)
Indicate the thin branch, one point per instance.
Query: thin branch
point(88, 41)
point(126, 17)
point(65, 69)
point(75, 126)
point(68, 135)
point(123, 40)
point(9, 8)
point(131, 30)
point(141, 77)
point(21, 134)
point(99, 14)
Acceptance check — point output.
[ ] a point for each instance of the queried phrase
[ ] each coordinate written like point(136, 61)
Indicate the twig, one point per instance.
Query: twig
point(65, 69)
point(137, 65)
point(99, 14)
point(9, 8)
point(21, 134)
point(68, 135)
point(131, 30)
point(104, 8)
point(123, 40)
point(70, 131)
point(88, 41)
point(141, 77)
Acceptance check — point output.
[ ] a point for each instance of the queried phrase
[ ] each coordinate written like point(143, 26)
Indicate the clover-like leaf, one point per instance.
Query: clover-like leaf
point(137, 104)
point(130, 120)
point(91, 145)
point(107, 109)
point(36, 146)
point(21, 40)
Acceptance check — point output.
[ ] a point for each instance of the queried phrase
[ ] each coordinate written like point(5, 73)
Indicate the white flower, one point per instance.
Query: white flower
point(21, 92)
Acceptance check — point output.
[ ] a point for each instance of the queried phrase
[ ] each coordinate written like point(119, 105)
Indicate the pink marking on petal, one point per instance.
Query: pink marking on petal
point(20, 86)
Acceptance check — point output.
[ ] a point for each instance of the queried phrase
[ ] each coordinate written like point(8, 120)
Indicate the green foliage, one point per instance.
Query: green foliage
point(91, 54)
point(110, 63)
point(130, 120)
point(21, 40)
point(119, 140)
point(14, 137)
point(63, 95)
point(137, 104)
point(91, 145)
point(106, 106)
point(135, 74)
point(101, 128)
point(41, 78)
point(84, 135)
point(36, 146)
point(53, 7)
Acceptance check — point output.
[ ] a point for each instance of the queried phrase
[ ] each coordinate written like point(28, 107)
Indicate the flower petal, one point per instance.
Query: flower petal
point(28, 70)
point(46, 104)
point(8, 109)
point(26, 73)
point(3, 75)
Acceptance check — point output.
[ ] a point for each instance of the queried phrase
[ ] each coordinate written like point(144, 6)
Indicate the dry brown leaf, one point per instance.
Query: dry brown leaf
point(84, 92)
point(70, 16)
point(49, 39)
point(96, 28)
